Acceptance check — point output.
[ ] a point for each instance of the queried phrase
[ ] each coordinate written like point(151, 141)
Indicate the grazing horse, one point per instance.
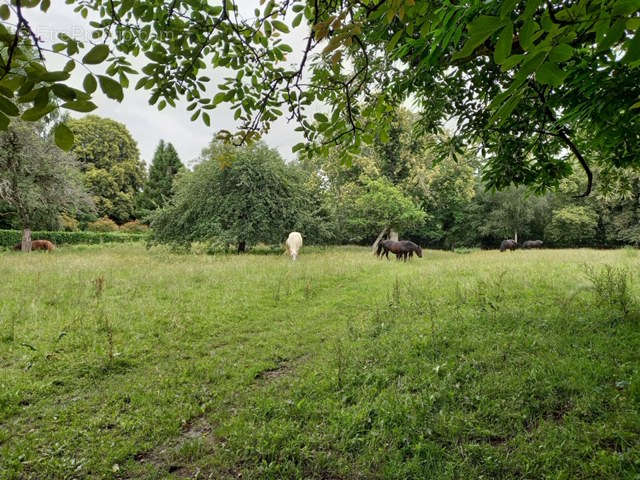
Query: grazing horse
point(402, 249)
point(508, 245)
point(293, 244)
point(410, 249)
point(532, 244)
point(38, 245)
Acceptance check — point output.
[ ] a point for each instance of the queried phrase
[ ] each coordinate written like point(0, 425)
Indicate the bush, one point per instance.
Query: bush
point(572, 227)
point(9, 238)
point(134, 227)
point(613, 288)
point(104, 224)
point(68, 224)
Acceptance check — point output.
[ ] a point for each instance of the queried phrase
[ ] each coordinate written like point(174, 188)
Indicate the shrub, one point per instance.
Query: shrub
point(612, 288)
point(68, 224)
point(9, 238)
point(134, 227)
point(104, 224)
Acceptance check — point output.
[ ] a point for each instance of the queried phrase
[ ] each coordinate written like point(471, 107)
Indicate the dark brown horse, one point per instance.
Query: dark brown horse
point(411, 248)
point(402, 249)
point(508, 245)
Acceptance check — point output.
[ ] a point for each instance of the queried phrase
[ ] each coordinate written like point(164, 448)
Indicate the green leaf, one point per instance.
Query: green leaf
point(550, 74)
point(633, 24)
point(8, 107)
point(526, 34)
point(36, 113)
point(219, 98)
point(90, 83)
point(625, 7)
point(634, 106)
point(561, 53)
point(320, 117)
point(296, 20)
point(97, 54)
point(481, 29)
point(392, 42)
point(4, 121)
point(54, 76)
point(111, 88)
point(60, 90)
point(511, 62)
point(613, 35)
point(507, 7)
point(504, 44)
point(278, 25)
point(5, 13)
point(63, 137)
point(41, 97)
point(83, 106)
point(633, 49)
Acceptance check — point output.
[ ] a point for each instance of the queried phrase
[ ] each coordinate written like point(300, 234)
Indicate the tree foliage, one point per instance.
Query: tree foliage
point(164, 167)
point(111, 166)
point(522, 78)
point(573, 226)
point(381, 205)
point(38, 181)
point(238, 195)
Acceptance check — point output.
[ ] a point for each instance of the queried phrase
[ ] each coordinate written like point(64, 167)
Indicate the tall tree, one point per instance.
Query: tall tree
point(238, 195)
point(382, 207)
point(38, 181)
point(164, 167)
point(445, 190)
point(111, 166)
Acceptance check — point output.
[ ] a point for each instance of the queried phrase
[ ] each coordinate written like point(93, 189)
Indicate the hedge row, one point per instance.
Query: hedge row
point(9, 238)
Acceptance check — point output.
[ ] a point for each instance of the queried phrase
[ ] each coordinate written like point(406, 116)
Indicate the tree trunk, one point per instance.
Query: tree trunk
point(515, 236)
point(393, 235)
point(242, 246)
point(379, 239)
point(26, 239)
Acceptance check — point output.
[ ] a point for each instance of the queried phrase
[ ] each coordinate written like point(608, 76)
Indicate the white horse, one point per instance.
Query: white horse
point(293, 244)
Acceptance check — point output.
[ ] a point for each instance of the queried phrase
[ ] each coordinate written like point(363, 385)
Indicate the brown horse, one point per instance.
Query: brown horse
point(38, 245)
point(402, 249)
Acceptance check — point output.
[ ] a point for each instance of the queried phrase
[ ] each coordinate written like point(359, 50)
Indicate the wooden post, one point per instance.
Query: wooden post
point(26, 240)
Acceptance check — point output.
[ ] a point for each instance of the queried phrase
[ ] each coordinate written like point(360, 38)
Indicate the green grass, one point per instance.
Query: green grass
point(340, 366)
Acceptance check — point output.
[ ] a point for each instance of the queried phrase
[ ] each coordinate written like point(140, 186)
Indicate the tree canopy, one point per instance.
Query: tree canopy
point(165, 165)
point(38, 181)
point(240, 196)
point(111, 166)
point(539, 86)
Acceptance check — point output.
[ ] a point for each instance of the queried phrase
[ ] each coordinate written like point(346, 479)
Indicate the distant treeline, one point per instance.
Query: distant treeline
point(422, 186)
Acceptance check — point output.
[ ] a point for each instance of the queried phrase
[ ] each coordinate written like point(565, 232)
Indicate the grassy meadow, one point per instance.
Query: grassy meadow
point(121, 362)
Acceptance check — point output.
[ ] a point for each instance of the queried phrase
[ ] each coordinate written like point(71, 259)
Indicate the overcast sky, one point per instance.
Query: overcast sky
point(147, 125)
